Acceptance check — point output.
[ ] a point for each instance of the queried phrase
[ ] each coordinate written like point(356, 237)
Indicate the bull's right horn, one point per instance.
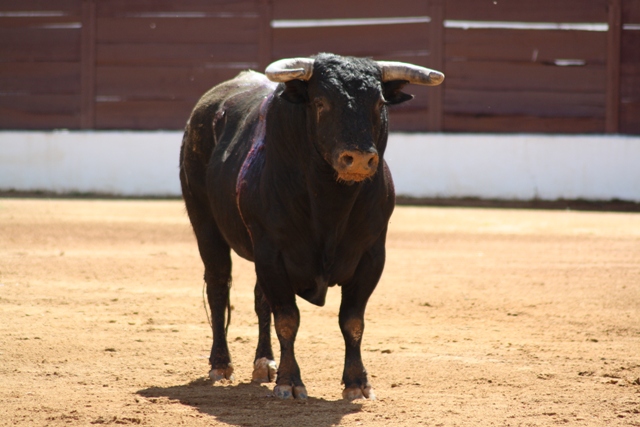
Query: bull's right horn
point(288, 69)
point(412, 73)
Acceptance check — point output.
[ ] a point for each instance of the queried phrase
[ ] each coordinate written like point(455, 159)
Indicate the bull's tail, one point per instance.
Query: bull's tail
point(226, 327)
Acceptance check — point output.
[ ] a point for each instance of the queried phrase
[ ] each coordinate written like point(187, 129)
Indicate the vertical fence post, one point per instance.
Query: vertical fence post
point(436, 61)
point(265, 35)
point(88, 65)
point(612, 105)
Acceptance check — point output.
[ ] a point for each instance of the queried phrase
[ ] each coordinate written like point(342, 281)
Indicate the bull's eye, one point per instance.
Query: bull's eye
point(380, 105)
point(320, 105)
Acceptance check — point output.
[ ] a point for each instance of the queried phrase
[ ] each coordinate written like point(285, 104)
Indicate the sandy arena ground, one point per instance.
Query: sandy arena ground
point(483, 317)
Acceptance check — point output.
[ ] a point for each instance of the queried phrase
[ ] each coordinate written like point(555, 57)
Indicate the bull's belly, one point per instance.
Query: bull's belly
point(235, 234)
point(228, 219)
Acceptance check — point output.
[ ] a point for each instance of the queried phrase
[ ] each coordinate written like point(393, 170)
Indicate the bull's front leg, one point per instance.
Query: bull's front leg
point(355, 295)
point(272, 279)
point(289, 383)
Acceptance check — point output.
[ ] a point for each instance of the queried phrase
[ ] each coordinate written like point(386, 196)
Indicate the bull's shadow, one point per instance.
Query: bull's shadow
point(245, 404)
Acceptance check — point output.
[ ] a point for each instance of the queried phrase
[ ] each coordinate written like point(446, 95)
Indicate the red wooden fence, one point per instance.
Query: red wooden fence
point(569, 66)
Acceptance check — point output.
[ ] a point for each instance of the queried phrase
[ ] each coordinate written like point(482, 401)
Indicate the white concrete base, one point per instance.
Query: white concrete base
point(521, 167)
point(119, 163)
point(508, 167)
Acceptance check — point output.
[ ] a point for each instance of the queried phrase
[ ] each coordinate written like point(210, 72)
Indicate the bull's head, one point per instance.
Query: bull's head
point(346, 101)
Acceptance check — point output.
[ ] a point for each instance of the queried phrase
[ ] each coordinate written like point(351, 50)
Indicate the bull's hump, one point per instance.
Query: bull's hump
point(251, 77)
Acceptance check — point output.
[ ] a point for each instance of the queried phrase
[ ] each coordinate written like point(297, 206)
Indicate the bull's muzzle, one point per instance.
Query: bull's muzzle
point(355, 165)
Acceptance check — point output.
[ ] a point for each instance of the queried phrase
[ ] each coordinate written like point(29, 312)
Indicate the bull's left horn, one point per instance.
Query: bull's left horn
point(288, 69)
point(414, 74)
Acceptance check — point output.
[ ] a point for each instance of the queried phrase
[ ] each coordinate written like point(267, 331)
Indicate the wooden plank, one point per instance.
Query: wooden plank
point(159, 82)
point(176, 54)
point(144, 115)
point(527, 10)
point(339, 9)
point(630, 76)
point(630, 47)
point(630, 118)
point(525, 45)
point(39, 111)
point(177, 30)
point(132, 8)
point(436, 60)
point(631, 11)
point(370, 40)
point(40, 77)
point(42, 104)
point(476, 75)
point(612, 118)
point(48, 21)
point(11, 119)
point(88, 65)
point(69, 7)
point(409, 121)
point(540, 104)
point(630, 82)
point(41, 45)
point(418, 57)
point(39, 71)
point(265, 39)
point(522, 124)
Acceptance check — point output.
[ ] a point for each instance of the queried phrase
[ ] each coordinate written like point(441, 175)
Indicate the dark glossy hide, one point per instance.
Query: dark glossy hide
point(259, 176)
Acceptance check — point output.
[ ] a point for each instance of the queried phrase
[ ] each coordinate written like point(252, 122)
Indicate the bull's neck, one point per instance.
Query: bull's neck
point(331, 205)
point(307, 179)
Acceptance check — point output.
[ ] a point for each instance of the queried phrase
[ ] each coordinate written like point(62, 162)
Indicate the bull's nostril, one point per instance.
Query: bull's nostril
point(357, 163)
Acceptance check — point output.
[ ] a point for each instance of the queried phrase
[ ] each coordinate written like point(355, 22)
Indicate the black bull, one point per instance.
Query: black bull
point(289, 172)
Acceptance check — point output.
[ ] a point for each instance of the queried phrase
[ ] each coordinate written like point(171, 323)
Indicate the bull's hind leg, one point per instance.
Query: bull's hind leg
point(216, 256)
point(217, 276)
point(264, 366)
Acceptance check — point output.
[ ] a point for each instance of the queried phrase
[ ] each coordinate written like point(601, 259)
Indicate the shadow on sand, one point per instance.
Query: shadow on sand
point(248, 404)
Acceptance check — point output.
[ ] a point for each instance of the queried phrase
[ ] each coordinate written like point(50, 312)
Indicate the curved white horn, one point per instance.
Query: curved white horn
point(412, 73)
point(288, 69)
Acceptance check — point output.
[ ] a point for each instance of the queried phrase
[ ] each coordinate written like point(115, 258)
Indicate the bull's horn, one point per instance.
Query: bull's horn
point(288, 69)
point(412, 73)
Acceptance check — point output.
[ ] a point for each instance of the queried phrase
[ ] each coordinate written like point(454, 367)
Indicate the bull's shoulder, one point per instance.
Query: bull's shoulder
point(225, 103)
point(233, 98)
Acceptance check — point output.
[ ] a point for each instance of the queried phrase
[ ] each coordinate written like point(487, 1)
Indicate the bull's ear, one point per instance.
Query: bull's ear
point(295, 91)
point(392, 91)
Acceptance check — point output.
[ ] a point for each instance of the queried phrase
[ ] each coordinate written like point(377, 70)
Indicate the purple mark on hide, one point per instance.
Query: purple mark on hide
point(257, 149)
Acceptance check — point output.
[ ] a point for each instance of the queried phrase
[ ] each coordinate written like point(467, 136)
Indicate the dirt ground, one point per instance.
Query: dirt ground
point(483, 317)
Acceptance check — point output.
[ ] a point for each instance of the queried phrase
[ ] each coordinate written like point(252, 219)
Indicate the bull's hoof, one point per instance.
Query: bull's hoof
point(221, 374)
point(264, 370)
point(287, 392)
point(353, 393)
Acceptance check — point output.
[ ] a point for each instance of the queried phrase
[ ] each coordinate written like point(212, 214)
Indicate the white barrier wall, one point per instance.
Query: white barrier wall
point(120, 163)
point(522, 167)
